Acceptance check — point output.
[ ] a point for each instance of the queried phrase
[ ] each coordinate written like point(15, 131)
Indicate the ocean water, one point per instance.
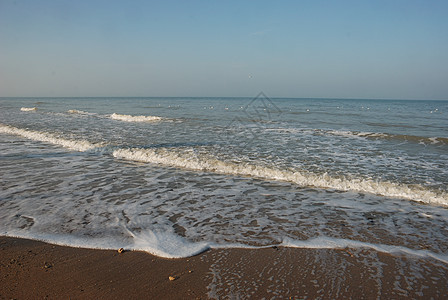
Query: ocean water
point(176, 176)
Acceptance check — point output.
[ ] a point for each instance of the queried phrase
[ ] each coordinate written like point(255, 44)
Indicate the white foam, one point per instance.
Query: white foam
point(343, 133)
point(323, 242)
point(75, 111)
point(161, 244)
point(356, 134)
point(166, 244)
point(379, 135)
point(129, 118)
point(77, 145)
point(28, 109)
point(303, 178)
point(438, 140)
point(66, 240)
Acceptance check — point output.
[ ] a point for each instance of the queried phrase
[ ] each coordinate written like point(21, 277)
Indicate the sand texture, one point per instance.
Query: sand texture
point(37, 270)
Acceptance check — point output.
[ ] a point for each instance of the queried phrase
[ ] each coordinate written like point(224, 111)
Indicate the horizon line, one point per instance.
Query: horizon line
point(249, 97)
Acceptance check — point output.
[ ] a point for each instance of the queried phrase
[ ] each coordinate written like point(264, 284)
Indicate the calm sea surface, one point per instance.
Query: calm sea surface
point(175, 176)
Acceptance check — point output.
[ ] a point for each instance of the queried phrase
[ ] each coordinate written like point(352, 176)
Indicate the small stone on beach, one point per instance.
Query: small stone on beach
point(172, 278)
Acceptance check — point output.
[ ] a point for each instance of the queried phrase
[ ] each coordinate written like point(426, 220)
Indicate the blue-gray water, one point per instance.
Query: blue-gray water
point(174, 176)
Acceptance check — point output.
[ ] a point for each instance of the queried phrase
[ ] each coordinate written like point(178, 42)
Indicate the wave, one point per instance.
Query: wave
point(368, 135)
point(28, 109)
point(75, 111)
point(191, 161)
point(129, 118)
point(77, 145)
point(390, 136)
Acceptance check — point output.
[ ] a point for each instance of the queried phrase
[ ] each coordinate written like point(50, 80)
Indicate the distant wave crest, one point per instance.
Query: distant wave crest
point(390, 136)
point(75, 111)
point(28, 109)
point(129, 118)
point(367, 135)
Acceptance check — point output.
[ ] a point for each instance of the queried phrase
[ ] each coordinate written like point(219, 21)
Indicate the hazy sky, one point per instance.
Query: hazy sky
point(344, 49)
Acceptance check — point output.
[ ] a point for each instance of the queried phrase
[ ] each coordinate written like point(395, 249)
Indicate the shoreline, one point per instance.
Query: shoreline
point(32, 269)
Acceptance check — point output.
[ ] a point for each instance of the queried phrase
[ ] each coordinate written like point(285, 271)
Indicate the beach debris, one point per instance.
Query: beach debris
point(121, 250)
point(47, 265)
point(172, 278)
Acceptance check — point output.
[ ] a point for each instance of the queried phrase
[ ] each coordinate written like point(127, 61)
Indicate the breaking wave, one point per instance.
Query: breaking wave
point(303, 178)
point(77, 145)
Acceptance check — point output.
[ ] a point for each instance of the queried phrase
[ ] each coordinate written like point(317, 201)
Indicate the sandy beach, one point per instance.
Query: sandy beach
point(36, 270)
point(226, 150)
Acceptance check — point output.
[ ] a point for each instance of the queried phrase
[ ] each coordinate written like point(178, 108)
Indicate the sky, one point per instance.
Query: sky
point(392, 49)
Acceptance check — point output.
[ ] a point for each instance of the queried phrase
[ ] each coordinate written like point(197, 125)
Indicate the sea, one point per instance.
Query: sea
point(177, 176)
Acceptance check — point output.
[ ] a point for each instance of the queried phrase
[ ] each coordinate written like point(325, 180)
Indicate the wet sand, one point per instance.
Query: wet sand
point(37, 270)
